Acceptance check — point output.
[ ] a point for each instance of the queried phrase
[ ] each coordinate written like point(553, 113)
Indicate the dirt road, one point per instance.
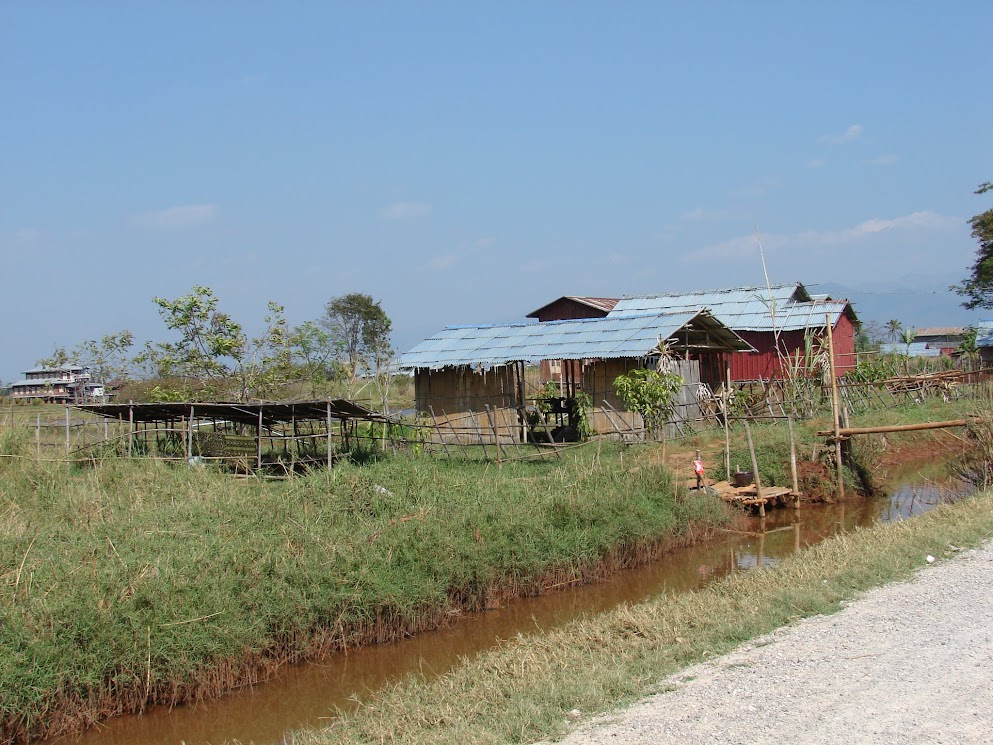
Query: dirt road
point(907, 663)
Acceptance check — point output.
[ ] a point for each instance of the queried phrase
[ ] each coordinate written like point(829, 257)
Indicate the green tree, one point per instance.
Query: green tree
point(107, 357)
point(968, 349)
point(213, 355)
point(315, 353)
point(893, 329)
point(362, 329)
point(978, 287)
point(652, 394)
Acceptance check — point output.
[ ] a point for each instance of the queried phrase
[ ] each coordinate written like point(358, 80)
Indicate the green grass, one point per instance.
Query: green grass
point(133, 583)
point(524, 690)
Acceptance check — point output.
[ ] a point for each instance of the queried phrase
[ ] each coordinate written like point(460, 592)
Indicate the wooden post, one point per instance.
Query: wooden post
point(258, 442)
point(37, 434)
point(479, 433)
point(67, 436)
point(458, 437)
point(329, 433)
point(834, 408)
point(437, 429)
point(130, 429)
point(755, 467)
point(793, 473)
point(496, 434)
point(189, 436)
point(727, 422)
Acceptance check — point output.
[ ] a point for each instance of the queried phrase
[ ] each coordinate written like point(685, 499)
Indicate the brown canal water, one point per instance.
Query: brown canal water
point(306, 695)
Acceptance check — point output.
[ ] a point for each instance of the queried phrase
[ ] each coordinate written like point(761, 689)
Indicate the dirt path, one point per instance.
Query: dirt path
point(908, 663)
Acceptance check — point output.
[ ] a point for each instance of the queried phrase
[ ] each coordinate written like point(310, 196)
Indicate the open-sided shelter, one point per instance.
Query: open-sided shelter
point(472, 377)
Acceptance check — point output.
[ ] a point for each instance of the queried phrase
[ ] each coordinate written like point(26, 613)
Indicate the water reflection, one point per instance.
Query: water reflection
point(305, 695)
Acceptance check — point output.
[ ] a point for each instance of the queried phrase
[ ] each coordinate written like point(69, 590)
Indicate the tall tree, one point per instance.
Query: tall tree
point(362, 329)
point(978, 287)
point(213, 355)
point(893, 329)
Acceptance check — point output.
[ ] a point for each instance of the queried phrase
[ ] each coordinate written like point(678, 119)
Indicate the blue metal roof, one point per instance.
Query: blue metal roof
point(914, 349)
point(587, 338)
point(779, 308)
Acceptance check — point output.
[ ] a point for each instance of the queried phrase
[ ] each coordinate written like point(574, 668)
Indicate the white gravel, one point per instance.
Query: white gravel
point(907, 663)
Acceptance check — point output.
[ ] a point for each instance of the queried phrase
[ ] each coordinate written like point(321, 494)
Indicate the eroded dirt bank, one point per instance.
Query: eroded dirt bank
point(910, 662)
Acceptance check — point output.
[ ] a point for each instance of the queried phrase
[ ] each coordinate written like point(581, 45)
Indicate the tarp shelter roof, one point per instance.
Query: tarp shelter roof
point(778, 308)
point(605, 304)
point(279, 412)
point(578, 339)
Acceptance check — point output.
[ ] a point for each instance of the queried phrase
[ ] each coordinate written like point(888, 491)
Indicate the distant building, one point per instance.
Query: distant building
point(946, 339)
point(57, 385)
point(914, 349)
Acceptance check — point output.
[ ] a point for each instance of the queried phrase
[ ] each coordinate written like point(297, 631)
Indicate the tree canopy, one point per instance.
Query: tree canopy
point(362, 328)
point(978, 287)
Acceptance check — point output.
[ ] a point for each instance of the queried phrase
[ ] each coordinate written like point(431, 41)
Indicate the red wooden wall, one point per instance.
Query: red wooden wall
point(765, 364)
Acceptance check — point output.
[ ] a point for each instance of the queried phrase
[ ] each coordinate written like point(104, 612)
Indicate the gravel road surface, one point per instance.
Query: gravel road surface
point(907, 663)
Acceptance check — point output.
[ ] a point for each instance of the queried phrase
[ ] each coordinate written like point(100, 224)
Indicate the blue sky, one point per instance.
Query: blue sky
point(468, 162)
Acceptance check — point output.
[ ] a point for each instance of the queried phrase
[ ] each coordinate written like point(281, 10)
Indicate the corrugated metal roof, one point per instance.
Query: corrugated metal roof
point(66, 368)
point(585, 338)
point(779, 308)
point(941, 331)
point(914, 349)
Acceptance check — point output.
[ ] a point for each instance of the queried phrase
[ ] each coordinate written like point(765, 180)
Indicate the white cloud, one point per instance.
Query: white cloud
point(746, 246)
point(884, 160)
point(852, 133)
point(694, 215)
point(406, 210)
point(484, 243)
point(442, 262)
point(183, 216)
point(815, 163)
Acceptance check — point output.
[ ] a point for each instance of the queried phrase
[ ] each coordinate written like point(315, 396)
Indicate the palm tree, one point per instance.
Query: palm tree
point(893, 329)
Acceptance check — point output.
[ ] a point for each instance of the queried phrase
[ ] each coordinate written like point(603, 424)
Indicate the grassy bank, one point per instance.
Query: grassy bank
point(138, 583)
point(524, 691)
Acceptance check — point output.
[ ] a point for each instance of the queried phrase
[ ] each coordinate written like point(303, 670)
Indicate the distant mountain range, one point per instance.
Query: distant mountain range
point(914, 301)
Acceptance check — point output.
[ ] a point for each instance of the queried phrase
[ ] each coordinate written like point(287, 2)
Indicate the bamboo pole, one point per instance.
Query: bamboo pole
point(882, 429)
point(727, 423)
point(479, 433)
point(834, 408)
point(458, 437)
point(68, 445)
point(328, 423)
point(755, 467)
point(189, 436)
point(130, 429)
point(793, 472)
point(496, 434)
point(258, 443)
point(437, 428)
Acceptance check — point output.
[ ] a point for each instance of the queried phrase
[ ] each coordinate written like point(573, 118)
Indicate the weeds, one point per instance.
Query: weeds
point(137, 583)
